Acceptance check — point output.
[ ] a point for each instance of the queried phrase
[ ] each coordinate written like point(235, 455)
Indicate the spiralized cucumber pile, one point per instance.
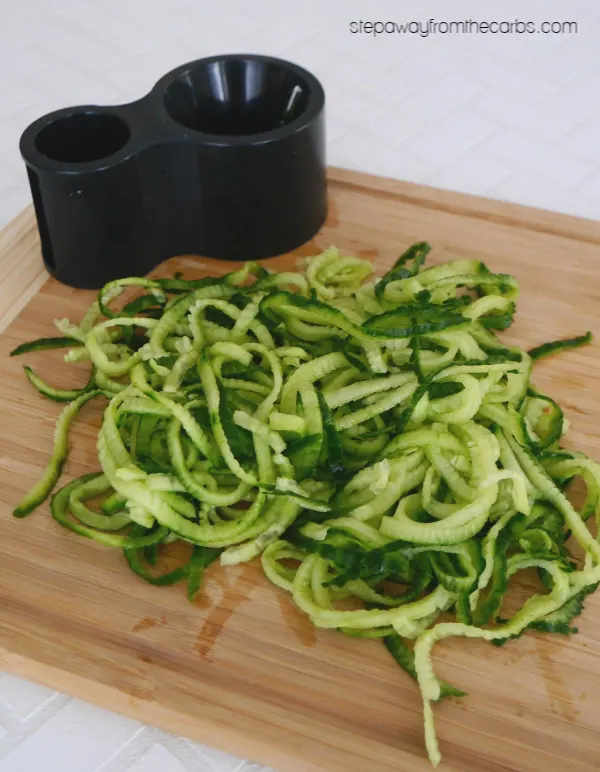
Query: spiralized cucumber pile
point(372, 440)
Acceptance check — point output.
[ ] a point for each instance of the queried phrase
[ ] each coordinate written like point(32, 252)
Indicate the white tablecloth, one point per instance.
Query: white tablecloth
point(511, 116)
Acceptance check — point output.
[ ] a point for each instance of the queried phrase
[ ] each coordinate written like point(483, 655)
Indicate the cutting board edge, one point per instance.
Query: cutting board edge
point(153, 713)
point(468, 205)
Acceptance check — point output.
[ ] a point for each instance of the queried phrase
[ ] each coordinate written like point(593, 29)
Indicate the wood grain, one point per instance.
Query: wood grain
point(21, 268)
point(242, 669)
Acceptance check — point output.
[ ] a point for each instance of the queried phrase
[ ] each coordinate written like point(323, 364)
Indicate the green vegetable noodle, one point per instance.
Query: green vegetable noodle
point(370, 440)
point(547, 349)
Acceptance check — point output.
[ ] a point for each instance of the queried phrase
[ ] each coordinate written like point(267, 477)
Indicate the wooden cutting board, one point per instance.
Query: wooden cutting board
point(242, 669)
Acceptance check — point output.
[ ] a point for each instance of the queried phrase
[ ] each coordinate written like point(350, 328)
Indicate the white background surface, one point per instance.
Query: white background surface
point(515, 117)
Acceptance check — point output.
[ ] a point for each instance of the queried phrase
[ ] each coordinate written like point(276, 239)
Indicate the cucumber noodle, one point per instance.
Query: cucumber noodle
point(372, 440)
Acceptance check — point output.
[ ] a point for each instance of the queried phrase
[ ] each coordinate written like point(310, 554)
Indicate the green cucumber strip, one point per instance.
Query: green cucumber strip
point(553, 347)
point(113, 288)
point(405, 658)
point(114, 503)
point(43, 344)
point(58, 395)
point(488, 608)
point(333, 447)
point(408, 321)
point(201, 558)
point(408, 264)
point(141, 304)
point(135, 561)
point(136, 538)
point(304, 455)
point(42, 489)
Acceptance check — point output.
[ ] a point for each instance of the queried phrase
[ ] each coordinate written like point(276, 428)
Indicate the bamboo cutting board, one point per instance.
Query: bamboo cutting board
point(242, 669)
